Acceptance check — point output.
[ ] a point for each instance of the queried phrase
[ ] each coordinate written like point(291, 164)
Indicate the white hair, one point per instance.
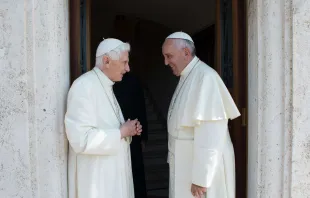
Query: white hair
point(183, 43)
point(115, 54)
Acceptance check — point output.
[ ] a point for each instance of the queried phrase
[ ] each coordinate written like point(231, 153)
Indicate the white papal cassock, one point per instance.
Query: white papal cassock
point(99, 160)
point(200, 148)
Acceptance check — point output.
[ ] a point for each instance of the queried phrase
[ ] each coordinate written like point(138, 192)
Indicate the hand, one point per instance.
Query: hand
point(198, 191)
point(138, 128)
point(129, 128)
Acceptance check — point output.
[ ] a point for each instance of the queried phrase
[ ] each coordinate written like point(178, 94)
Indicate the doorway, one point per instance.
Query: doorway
point(218, 28)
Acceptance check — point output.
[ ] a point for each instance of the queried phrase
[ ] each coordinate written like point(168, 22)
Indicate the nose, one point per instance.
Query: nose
point(166, 62)
point(127, 68)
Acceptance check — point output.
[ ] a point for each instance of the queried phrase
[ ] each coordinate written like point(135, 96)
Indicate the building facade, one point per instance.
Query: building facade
point(35, 78)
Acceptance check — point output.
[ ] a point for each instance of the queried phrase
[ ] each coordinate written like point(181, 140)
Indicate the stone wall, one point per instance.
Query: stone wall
point(279, 95)
point(300, 165)
point(34, 69)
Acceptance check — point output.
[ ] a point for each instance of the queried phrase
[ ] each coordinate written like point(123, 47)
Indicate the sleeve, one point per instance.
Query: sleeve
point(80, 122)
point(209, 140)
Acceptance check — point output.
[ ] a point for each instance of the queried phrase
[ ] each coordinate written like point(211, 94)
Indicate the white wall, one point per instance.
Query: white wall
point(279, 95)
point(34, 69)
point(300, 162)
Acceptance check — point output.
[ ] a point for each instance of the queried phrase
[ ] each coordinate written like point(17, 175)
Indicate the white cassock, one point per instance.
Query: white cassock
point(99, 160)
point(200, 148)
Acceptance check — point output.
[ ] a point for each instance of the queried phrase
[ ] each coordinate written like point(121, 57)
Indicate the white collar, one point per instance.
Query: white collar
point(190, 65)
point(103, 77)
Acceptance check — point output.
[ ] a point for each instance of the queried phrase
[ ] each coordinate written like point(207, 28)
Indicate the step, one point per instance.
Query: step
point(157, 139)
point(149, 107)
point(152, 116)
point(155, 169)
point(158, 153)
point(157, 184)
point(160, 135)
point(156, 161)
point(155, 126)
point(160, 147)
point(159, 132)
point(154, 174)
point(152, 143)
point(150, 110)
point(157, 121)
point(148, 101)
point(162, 179)
point(158, 193)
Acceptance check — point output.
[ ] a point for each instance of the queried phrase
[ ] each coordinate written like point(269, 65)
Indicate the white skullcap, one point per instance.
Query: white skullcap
point(107, 45)
point(180, 35)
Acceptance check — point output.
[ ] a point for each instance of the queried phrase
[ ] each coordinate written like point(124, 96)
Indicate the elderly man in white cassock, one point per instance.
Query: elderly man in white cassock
point(99, 138)
point(201, 154)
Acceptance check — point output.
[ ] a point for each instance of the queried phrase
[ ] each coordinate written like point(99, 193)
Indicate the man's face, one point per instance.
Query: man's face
point(119, 67)
point(174, 57)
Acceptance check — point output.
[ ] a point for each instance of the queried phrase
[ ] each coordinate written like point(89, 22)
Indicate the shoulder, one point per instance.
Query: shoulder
point(85, 80)
point(84, 83)
point(204, 72)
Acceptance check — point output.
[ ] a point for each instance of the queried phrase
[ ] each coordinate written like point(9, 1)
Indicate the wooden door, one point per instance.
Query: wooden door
point(205, 43)
point(231, 65)
point(80, 51)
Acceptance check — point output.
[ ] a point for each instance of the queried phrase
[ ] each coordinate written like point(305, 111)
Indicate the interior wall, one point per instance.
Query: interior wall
point(182, 15)
point(205, 45)
point(156, 75)
point(146, 60)
point(146, 38)
point(102, 26)
point(169, 13)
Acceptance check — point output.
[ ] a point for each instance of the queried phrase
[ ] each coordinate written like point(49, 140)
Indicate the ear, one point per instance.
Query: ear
point(187, 52)
point(106, 60)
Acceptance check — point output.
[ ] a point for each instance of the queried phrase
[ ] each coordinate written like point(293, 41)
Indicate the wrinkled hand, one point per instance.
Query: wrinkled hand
point(129, 128)
point(198, 191)
point(138, 128)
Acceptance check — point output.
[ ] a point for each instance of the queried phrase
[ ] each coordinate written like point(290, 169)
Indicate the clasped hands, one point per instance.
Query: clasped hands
point(131, 128)
point(198, 191)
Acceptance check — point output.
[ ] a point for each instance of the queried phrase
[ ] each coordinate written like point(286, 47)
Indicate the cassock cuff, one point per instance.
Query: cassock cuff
point(208, 142)
point(204, 167)
point(111, 143)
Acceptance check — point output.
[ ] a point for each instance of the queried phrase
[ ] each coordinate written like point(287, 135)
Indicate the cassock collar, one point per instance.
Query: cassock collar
point(103, 78)
point(189, 67)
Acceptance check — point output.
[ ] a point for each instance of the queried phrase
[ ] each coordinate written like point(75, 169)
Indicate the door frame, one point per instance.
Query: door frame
point(238, 126)
point(75, 35)
point(239, 91)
